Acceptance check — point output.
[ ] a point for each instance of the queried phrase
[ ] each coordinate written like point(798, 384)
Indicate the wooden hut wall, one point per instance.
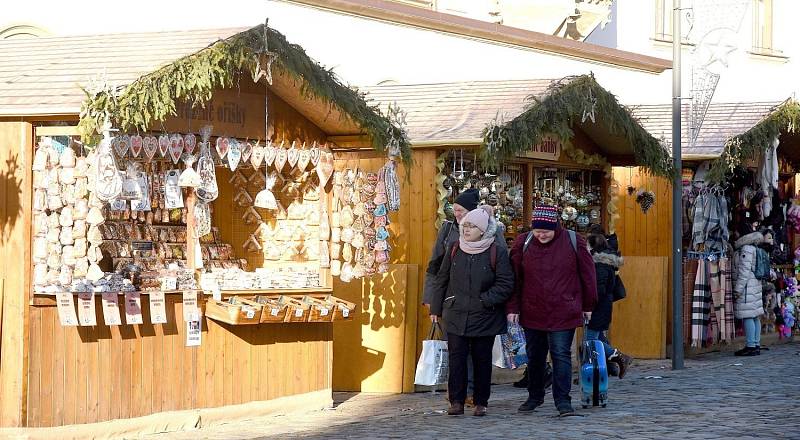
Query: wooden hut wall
point(15, 196)
point(91, 374)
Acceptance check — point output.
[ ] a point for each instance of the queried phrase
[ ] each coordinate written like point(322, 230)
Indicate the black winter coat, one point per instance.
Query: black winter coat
point(606, 265)
point(469, 296)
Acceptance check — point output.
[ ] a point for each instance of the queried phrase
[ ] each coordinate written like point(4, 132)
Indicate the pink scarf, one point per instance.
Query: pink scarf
point(474, 247)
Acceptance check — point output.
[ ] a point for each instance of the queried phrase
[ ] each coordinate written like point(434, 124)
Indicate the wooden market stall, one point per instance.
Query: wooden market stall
point(227, 270)
point(445, 123)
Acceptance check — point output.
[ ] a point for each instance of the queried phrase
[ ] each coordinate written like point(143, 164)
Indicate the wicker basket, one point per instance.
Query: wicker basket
point(234, 314)
point(274, 310)
point(298, 311)
point(321, 309)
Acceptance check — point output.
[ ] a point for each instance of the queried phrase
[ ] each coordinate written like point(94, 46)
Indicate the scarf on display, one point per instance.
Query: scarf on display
point(701, 307)
point(721, 322)
point(689, 276)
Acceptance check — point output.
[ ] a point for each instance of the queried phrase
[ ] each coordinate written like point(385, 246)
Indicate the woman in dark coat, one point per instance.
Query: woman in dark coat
point(606, 263)
point(469, 294)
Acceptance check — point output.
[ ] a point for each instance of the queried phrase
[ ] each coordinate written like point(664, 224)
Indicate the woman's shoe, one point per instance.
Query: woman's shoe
point(480, 411)
point(456, 409)
point(745, 351)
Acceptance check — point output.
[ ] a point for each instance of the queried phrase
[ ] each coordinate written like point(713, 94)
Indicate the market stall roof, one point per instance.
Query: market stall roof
point(722, 122)
point(46, 76)
point(458, 113)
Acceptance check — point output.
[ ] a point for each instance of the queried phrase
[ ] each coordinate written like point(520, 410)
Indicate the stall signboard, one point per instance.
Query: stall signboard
point(230, 112)
point(548, 149)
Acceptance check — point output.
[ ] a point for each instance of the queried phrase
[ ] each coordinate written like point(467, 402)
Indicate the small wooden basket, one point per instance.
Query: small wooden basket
point(234, 314)
point(321, 309)
point(274, 311)
point(298, 311)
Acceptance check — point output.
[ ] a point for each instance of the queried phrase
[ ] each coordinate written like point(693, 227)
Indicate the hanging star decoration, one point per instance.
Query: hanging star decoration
point(718, 45)
point(588, 111)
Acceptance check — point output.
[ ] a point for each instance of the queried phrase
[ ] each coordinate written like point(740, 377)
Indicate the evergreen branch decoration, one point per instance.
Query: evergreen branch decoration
point(563, 105)
point(750, 144)
point(194, 78)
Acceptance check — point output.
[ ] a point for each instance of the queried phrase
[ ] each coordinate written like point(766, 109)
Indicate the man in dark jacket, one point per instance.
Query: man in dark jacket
point(554, 290)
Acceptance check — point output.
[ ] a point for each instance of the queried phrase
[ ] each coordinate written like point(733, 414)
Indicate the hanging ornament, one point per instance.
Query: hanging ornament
point(631, 188)
point(208, 191)
point(175, 148)
point(315, 154)
point(189, 177)
point(163, 145)
point(247, 151)
point(136, 145)
point(257, 156)
point(588, 111)
point(150, 147)
point(189, 143)
point(645, 199)
point(265, 198)
point(223, 145)
point(234, 154)
point(122, 144)
point(270, 152)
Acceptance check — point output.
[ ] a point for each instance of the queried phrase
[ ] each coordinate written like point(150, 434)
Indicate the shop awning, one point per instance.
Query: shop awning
point(780, 122)
point(577, 102)
point(46, 76)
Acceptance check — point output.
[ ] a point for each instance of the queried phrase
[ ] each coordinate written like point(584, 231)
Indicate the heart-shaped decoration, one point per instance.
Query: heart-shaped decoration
point(122, 144)
point(136, 145)
point(257, 156)
point(314, 155)
point(303, 160)
point(292, 154)
point(281, 156)
point(234, 154)
point(150, 147)
point(270, 151)
point(325, 168)
point(223, 146)
point(163, 145)
point(189, 143)
point(175, 147)
point(247, 151)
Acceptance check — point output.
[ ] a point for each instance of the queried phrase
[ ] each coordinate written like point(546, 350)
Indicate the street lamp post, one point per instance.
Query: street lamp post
point(677, 229)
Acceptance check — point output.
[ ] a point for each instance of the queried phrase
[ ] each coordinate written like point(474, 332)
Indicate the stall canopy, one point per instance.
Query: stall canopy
point(780, 122)
point(577, 102)
point(145, 74)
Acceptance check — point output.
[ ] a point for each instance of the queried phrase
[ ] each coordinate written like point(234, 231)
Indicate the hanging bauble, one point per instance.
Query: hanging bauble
point(645, 199)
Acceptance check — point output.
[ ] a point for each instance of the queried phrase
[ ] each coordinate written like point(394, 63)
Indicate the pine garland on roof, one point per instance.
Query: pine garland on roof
point(558, 110)
point(194, 78)
point(750, 144)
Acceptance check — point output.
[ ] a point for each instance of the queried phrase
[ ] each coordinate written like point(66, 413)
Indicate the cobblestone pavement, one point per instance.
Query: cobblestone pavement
point(717, 396)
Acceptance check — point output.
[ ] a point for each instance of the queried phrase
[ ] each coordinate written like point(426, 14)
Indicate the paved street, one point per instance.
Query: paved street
point(717, 396)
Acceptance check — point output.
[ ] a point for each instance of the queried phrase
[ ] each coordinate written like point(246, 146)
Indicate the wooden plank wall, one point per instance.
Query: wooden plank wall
point(15, 139)
point(91, 374)
point(644, 235)
point(412, 236)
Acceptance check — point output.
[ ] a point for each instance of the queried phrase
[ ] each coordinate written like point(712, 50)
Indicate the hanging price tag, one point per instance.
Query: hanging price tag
point(190, 310)
point(169, 283)
point(86, 308)
point(274, 312)
point(194, 333)
point(345, 312)
point(66, 309)
point(323, 312)
point(249, 312)
point(133, 308)
point(111, 309)
point(158, 308)
point(298, 313)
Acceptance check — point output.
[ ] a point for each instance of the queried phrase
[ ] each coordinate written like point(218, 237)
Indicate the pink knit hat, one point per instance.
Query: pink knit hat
point(477, 217)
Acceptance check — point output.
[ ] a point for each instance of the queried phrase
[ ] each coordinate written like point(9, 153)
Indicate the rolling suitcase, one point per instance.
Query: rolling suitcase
point(593, 374)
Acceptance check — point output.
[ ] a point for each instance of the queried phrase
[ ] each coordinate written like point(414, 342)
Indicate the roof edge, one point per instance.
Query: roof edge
point(469, 27)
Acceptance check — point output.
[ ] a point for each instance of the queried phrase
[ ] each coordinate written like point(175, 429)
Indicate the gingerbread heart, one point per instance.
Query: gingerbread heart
point(281, 156)
point(189, 143)
point(314, 155)
point(175, 147)
point(292, 154)
point(270, 151)
point(122, 144)
point(325, 168)
point(136, 145)
point(234, 154)
point(163, 145)
point(247, 150)
point(303, 160)
point(257, 156)
point(150, 147)
point(223, 146)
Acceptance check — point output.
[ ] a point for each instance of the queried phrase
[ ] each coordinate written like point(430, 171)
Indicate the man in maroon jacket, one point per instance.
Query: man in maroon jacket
point(555, 290)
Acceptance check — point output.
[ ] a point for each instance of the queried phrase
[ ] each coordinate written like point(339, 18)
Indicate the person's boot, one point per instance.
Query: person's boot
point(759, 348)
point(613, 368)
point(744, 351)
point(480, 411)
point(622, 360)
point(530, 404)
point(566, 410)
point(456, 409)
point(522, 383)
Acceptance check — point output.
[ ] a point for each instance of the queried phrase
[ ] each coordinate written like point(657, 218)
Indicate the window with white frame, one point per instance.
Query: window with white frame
point(762, 26)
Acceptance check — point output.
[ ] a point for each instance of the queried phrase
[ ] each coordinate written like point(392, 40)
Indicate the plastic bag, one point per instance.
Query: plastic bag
point(433, 365)
point(513, 345)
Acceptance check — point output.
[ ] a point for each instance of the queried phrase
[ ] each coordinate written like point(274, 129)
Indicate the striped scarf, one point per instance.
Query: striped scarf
point(701, 307)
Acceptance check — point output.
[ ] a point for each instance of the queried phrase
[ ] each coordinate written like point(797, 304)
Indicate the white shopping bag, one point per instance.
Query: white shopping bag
point(432, 368)
point(498, 358)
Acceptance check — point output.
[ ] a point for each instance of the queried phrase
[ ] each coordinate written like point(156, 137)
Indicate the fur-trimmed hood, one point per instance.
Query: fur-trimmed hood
point(753, 239)
point(610, 259)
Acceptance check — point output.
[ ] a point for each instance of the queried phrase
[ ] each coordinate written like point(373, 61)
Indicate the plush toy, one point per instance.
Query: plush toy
point(788, 318)
point(793, 217)
point(791, 286)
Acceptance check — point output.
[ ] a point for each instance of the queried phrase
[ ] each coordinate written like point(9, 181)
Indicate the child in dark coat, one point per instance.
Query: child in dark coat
point(606, 262)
